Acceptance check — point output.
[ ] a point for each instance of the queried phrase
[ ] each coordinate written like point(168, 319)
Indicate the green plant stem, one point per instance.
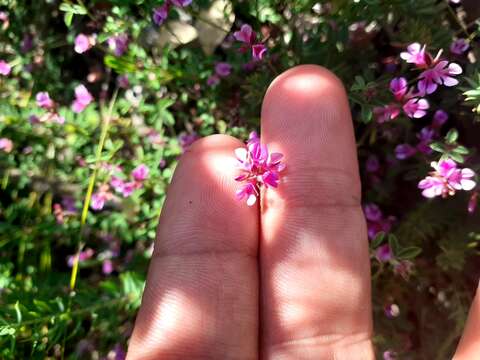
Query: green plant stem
point(91, 184)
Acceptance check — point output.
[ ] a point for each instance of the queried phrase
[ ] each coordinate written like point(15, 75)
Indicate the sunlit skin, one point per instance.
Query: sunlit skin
point(288, 278)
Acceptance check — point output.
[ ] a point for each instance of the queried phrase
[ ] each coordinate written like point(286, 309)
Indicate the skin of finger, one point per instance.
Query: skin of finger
point(314, 260)
point(201, 296)
point(469, 346)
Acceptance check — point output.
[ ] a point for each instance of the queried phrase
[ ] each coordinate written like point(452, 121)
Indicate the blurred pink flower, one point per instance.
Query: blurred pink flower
point(140, 173)
point(389, 355)
point(376, 221)
point(118, 44)
point(180, 3)
point(384, 253)
point(439, 118)
point(245, 34)
point(223, 69)
point(386, 113)
point(213, 80)
point(372, 212)
point(186, 140)
point(44, 100)
point(404, 151)
point(160, 14)
point(416, 107)
point(446, 179)
point(82, 99)
point(83, 43)
point(425, 136)
point(441, 74)
point(82, 256)
point(372, 164)
point(122, 82)
point(391, 310)
point(107, 266)
point(100, 197)
point(415, 54)
point(399, 87)
point(258, 168)
point(5, 68)
point(6, 145)
point(459, 46)
point(258, 51)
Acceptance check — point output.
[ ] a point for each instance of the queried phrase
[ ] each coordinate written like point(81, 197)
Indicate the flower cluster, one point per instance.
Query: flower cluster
point(123, 187)
point(446, 179)
point(248, 37)
point(376, 221)
point(222, 70)
point(160, 14)
point(83, 42)
point(258, 168)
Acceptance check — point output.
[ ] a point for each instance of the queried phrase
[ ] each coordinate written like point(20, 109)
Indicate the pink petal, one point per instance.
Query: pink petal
point(251, 200)
point(454, 69)
point(467, 173)
point(449, 81)
point(467, 184)
point(241, 154)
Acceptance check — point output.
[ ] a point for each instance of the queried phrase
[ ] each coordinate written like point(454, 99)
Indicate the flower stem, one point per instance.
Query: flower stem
point(91, 184)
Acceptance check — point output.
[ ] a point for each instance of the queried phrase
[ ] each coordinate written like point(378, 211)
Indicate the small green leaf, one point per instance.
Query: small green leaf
point(462, 150)
point(378, 239)
point(451, 136)
point(457, 157)
point(68, 17)
point(438, 147)
point(394, 245)
point(410, 252)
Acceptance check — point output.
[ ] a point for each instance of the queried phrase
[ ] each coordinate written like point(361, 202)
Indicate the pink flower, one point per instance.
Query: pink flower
point(389, 355)
point(459, 46)
point(384, 253)
point(416, 107)
point(213, 80)
point(223, 69)
point(82, 99)
point(83, 43)
point(117, 183)
point(181, 3)
point(376, 222)
point(6, 145)
point(258, 168)
point(386, 113)
point(100, 197)
point(404, 151)
point(186, 140)
point(441, 74)
point(399, 87)
point(118, 44)
point(44, 100)
point(5, 68)
point(446, 179)
point(415, 54)
point(129, 187)
point(372, 212)
point(258, 51)
point(107, 266)
point(245, 35)
point(140, 173)
point(439, 118)
point(160, 14)
point(391, 310)
point(425, 136)
point(82, 256)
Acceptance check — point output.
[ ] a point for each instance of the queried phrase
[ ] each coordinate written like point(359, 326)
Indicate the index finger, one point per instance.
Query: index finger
point(315, 281)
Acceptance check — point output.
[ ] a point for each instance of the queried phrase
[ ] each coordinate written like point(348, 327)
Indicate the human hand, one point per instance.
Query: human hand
point(287, 280)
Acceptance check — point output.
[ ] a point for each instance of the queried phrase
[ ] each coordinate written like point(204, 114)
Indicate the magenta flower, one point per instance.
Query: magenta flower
point(83, 43)
point(100, 197)
point(245, 34)
point(439, 118)
point(118, 44)
point(107, 266)
point(416, 107)
point(404, 151)
point(441, 74)
point(389, 355)
point(372, 164)
point(6, 145)
point(82, 99)
point(399, 87)
point(258, 51)
point(140, 173)
point(82, 256)
point(223, 69)
point(181, 3)
point(386, 113)
point(186, 140)
point(391, 310)
point(213, 80)
point(160, 14)
point(415, 54)
point(459, 46)
point(376, 222)
point(5, 68)
point(446, 179)
point(258, 168)
point(44, 100)
point(372, 212)
point(425, 136)
point(384, 253)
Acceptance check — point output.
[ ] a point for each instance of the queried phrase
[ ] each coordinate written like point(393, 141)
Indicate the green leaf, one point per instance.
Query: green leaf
point(121, 65)
point(457, 157)
point(394, 245)
point(438, 147)
point(462, 150)
point(378, 239)
point(410, 252)
point(68, 17)
point(451, 136)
